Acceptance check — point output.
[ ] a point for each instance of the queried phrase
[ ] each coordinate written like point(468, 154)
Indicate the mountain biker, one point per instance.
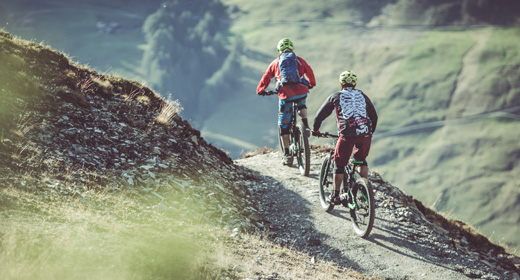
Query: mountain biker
point(356, 119)
point(288, 93)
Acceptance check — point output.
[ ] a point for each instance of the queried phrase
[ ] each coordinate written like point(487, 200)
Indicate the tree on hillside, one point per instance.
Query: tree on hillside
point(221, 84)
point(186, 47)
point(367, 9)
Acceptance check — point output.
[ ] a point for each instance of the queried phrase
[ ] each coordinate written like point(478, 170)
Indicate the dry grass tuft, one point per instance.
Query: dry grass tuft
point(168, 111)
point(257, 151)
point(322, 148)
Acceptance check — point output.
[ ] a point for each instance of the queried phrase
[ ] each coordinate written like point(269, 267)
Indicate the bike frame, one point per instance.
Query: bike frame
point(295, 111)
point(299, 144)
point(350, 172)
point(356, 195)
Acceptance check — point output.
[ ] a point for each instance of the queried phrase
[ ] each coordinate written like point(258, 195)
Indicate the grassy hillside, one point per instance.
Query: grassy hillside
point(467, 165)
point(74, 206)
point(54, 226)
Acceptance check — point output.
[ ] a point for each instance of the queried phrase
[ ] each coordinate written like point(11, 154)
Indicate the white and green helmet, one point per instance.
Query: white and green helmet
point(348, 77)
point(285, 44)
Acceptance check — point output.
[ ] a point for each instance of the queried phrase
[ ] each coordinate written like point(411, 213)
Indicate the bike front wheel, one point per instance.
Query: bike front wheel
point(326, 184)
point(363, 208)
point(303, 153)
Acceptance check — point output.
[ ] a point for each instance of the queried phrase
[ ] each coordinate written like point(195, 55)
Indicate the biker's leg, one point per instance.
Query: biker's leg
point(341, 158)
point(303, 115)
point(285, 138)
point(363, 144)
point(286, 142)
point(338, 179)
point(302, 108)
point(305, 121)
point(363, 171)
point(284, 117)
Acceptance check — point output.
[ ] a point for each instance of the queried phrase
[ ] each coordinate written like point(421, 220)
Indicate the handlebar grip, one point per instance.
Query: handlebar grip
point(266, 93)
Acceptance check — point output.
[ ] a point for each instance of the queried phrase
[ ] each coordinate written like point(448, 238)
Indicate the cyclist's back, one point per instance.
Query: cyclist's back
point(356, 115)
point(357, 120)
point(288, 93)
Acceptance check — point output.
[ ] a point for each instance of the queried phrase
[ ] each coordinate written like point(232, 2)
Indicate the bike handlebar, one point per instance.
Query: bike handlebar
point(327, 135)
point(267, 92)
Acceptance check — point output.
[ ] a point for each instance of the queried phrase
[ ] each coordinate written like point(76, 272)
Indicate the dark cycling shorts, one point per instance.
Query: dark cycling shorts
point(344, 148)
point(284, 109)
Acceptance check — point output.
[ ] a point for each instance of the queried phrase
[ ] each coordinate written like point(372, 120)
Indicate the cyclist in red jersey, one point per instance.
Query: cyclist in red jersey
point(289, 93)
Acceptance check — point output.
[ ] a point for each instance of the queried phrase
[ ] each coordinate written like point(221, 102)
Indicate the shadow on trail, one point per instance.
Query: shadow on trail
point(387, 232)
point(401, 242)
point(289, 221)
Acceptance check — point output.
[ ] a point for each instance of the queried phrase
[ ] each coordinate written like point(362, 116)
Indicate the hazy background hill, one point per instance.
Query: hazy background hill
point(443, 76)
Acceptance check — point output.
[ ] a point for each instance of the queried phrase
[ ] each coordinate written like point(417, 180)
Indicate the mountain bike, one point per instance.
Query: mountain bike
point(356, 194)
point(299, 147)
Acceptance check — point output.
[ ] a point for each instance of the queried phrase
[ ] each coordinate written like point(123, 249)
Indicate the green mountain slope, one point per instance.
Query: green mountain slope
point(447, 98)
point(467, 165)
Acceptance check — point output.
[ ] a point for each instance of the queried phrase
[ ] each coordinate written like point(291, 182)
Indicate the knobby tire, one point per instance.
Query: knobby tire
point(304, 153)
point(326, 184)
point(363, 216)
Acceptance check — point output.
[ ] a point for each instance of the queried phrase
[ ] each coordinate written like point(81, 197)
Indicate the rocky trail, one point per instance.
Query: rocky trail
point(404, 243)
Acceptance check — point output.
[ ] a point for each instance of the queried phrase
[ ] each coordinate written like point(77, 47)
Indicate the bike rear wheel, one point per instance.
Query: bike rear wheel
point(326, 184)
point(303, 154)
point(363, 212)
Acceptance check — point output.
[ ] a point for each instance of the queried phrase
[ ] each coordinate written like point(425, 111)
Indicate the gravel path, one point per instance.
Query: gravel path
point(402, 245)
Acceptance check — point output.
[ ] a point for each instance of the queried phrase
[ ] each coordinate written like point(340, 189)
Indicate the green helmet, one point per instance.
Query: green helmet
point(348, 77)
point(285, 44)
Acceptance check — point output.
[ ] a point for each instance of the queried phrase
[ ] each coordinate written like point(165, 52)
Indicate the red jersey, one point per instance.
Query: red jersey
point(287, 91)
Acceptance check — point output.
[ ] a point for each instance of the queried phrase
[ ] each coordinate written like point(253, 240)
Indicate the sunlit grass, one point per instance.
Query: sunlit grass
point(106, 237)
point(168, 111)
point(114, 236)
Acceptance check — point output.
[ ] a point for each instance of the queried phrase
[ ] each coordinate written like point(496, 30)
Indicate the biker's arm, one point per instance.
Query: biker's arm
point(266, 78)
point(372, 114)
point(308, 72)
point(325, 110)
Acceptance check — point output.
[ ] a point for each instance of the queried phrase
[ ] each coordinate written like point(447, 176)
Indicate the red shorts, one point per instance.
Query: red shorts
point(344, 148)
